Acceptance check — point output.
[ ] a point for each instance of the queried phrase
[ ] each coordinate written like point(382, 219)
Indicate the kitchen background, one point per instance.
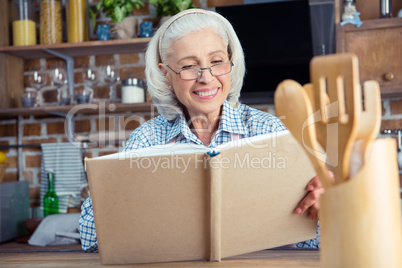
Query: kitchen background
point(50, 129)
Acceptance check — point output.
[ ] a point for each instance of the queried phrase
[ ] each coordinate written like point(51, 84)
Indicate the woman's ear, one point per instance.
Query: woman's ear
point(161, 67)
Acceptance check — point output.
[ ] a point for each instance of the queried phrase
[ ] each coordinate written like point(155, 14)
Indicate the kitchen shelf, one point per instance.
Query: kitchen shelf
point(86, 109)
point(134, 45)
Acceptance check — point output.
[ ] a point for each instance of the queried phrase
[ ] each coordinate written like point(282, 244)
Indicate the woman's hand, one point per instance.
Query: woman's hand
point(311, 200)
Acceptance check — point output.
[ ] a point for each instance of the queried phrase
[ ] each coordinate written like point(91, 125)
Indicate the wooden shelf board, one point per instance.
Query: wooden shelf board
point(86, 109)
point(134, 45)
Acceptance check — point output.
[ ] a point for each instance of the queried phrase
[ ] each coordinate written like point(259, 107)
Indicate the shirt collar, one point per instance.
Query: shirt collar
point(180, 127)
point(231, 120)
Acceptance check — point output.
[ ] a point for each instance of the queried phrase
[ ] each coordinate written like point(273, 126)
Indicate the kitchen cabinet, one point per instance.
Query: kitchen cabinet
point(378, 45)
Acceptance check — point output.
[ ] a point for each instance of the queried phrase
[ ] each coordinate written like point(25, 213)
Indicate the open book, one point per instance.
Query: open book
point(180, 202)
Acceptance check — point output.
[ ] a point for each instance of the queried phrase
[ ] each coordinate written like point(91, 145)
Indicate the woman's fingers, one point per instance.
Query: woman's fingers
point(311, 200)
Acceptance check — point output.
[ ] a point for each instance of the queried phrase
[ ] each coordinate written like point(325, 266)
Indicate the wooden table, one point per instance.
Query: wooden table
point(23, 255)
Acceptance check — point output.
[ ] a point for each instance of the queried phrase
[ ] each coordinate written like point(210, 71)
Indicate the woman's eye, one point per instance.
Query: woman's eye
point(188, 66)
point(217, 62)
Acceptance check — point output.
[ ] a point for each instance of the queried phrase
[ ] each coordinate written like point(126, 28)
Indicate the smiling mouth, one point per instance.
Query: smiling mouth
point(206, 93)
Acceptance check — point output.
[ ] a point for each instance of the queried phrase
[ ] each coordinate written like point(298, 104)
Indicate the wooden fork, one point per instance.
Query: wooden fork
point(336, 76)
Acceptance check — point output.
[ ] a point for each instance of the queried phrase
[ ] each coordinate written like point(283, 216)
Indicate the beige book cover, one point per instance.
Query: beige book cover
point(181, 202)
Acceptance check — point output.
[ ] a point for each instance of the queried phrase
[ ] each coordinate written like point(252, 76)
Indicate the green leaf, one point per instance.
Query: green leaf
point(108, 3)
point(99, 5)
point(93, 16)
point(119, 14)
point(129, 7)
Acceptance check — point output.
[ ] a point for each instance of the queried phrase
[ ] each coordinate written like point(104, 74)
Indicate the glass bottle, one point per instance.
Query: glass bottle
point(51, 200)
point(77, 26)
point(24, 26)
point(51, 29)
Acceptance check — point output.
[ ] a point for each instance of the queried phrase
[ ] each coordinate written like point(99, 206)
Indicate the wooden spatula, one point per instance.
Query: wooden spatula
point(336, 76)
point(293, 104)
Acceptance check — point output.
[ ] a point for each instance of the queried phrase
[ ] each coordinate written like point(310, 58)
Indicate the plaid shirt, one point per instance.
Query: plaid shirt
point(244, 122)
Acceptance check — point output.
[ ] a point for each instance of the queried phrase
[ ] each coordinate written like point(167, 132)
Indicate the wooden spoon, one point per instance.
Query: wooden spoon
point(369, 126)
point(293, 103)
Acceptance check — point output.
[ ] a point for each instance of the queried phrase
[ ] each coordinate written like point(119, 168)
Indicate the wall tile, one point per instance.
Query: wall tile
point(101, 92)
point(396, 107)
point(12, 161)
point(131, 122)
point(52, 64)
point(78, 77)
point(34, 196)
point(28, 175)
point(129, 58)
point(33, 161)
point(142, 11)
point(32, 130)
point(82, 126)
point(196, 3)
point(10, 176)
point(391, 124)
point(103, 60)
point(55, 128)
point(39, 141)
point(81, 62)
point(4, 143)
point(109, 124)
point(214, 3)
point(132, 72)
point(8, 130)
point(32, 65)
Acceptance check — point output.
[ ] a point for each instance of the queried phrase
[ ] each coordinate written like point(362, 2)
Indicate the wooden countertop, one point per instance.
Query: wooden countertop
point(22, 255)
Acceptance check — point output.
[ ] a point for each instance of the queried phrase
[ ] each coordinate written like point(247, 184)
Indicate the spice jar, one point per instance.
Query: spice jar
point(51, 29)
point(132, 91)
point(24, 27)
point(77, 26)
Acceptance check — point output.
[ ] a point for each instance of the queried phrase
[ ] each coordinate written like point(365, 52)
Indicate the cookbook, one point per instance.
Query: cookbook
point(182, 202)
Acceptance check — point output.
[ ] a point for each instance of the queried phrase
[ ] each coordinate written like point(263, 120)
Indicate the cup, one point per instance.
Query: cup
point(103, 32)
point(83, 96)
point(146, 29)
point(28, 99)
point(132, 91)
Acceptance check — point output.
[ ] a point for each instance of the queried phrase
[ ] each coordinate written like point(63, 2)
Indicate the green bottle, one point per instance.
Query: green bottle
point(51, 200)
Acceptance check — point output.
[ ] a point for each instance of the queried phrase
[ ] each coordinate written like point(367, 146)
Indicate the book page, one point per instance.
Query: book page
point(187, 148)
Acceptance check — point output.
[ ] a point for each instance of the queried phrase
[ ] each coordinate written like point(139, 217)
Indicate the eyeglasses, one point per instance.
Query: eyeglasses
point(196, 72)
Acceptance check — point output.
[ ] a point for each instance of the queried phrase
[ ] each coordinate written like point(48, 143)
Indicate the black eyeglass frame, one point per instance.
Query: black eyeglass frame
point(201, 69)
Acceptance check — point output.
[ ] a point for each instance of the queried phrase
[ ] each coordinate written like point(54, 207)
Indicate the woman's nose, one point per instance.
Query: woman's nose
point(206, 76)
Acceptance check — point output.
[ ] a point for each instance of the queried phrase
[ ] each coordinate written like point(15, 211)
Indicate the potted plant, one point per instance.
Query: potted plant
point(118, 10)
point(171, 7)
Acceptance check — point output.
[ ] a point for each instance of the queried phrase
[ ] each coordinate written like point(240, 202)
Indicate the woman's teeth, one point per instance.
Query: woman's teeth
point(206, 93)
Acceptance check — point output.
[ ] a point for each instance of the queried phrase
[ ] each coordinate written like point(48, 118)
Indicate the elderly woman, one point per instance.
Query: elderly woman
point(194, 70)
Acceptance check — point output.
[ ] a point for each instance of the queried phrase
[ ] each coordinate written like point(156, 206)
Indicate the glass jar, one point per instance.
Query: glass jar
point(132, 91)
point(51, 29)
point(77, 26)
point(24, 26)
point(385, 9)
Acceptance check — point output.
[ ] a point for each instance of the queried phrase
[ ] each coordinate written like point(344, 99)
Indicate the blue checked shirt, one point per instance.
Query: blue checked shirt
point(243, 122)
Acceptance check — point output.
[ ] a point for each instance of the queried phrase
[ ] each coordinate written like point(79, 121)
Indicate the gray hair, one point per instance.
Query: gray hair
point(182, 24)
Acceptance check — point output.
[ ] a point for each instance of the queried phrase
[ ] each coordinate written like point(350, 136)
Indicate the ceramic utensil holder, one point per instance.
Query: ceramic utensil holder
point(361, 217)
